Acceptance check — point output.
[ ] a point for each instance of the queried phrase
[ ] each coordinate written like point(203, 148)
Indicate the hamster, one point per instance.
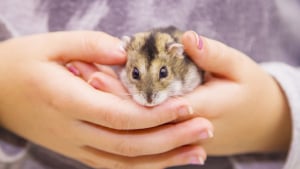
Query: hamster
point(157, 66)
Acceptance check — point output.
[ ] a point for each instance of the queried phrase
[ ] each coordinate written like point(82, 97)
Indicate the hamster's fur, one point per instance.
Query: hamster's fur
point(157, 67)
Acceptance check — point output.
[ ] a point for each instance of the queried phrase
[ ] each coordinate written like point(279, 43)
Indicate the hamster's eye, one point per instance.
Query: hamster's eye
point(136, 73)
point(163, 72)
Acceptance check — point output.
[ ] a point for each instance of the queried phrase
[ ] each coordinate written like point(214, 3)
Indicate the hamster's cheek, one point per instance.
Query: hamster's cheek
point(139, 98)
point(124, 79)
point(160, 97)
point(175, 88)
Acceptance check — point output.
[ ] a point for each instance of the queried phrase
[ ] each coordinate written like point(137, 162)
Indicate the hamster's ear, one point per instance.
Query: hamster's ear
point(176, 49)
point(125, 41)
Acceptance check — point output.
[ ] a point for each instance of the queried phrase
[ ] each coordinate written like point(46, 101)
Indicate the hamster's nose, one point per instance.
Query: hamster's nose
point(149, 97)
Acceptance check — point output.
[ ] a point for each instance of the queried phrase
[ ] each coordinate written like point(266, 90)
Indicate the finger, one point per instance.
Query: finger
point(107, 83)
point(107, 70)
point(86, 70)
point(181, 156)
point(205, 97)
point(214, 56)
point(82, 102)
point(82, 69)
point(88, 46)
point(118, 113)
point(136, 143)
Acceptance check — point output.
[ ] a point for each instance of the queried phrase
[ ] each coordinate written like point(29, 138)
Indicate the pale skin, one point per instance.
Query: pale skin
point(247, 107)
point(43, 102)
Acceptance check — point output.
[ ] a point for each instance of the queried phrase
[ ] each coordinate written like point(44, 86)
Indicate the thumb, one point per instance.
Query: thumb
point(213, 56)
point(87, 46)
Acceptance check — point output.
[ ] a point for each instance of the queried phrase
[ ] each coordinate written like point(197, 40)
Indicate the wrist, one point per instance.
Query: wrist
point(284, 133)
point(277, 136)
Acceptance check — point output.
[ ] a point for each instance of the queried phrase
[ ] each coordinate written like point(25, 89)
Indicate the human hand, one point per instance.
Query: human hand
point(247, 107)
point(43, 102)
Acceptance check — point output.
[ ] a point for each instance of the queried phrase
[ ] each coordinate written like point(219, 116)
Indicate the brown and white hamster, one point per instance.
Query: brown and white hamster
point(157, 67)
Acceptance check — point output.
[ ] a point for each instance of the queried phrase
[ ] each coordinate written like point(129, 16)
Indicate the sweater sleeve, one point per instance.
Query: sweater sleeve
point(289, 79)
point(12, 147)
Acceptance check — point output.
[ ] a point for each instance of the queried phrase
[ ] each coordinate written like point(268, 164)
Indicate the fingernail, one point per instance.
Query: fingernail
point(119, 51)
point(95, 83)
point(198, 40)
point(186, 110)
point(190, 110)
point(201, 160)
point(206, 134)
point(73, 69)
point(121, 48)
point(197, 160)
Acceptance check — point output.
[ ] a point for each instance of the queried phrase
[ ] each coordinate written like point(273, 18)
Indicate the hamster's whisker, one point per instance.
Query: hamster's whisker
point(177, 97)
point(136, 93)
point(124, 94)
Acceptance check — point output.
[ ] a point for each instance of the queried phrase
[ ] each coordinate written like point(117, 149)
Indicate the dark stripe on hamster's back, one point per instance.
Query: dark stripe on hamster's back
point(149, 48)
point(171, 30)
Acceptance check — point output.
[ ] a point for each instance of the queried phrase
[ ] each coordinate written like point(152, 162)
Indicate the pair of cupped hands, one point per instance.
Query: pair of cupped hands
point(52, 94)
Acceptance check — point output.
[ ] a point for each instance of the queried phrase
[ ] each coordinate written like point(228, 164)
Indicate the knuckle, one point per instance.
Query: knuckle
point(119, 165)
point(89, 43)
point(124, 122)
point(216, 53)
point(108, 118)
point(90, 163)
point(205, 123)
point(161, 119)
point(127, 149)
point(199, 120)
point(113, 165)
point(115, 120)
point(215, 50)
point(174, 138)
point(198, 108)
point(222, 49)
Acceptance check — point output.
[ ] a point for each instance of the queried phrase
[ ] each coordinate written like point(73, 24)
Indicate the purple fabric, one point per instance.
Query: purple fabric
point(254, 27)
